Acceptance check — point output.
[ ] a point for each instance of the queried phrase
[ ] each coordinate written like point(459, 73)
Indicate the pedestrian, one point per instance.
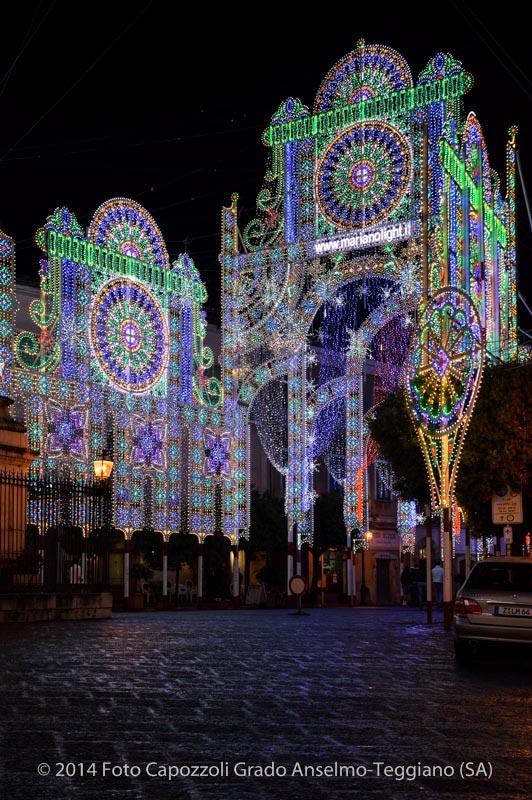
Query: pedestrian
point(437, 582)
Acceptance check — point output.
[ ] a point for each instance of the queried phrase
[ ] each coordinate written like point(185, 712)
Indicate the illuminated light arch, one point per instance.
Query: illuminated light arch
point(447, 218)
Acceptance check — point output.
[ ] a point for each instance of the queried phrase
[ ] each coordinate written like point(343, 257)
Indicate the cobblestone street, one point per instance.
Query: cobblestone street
point(337, 704)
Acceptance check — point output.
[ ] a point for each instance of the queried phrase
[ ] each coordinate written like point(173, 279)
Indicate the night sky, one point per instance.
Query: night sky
point(165, 104)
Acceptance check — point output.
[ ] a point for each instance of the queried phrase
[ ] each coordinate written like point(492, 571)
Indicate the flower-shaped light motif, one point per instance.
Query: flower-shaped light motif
point(66, 431)
point(363, 175)
point(129, 335)
point(445, 367)
point(125, 227)
point(368, 71)
point(217, 460)
point(149, 443)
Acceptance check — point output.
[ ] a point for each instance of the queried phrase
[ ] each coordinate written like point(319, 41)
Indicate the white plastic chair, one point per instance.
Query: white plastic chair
point(192, 591)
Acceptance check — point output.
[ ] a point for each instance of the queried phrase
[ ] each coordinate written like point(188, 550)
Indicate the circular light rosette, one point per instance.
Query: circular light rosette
point(129, 335)
point(444, 368)
point(125, 227)
point(363, 175)
point(367, 72)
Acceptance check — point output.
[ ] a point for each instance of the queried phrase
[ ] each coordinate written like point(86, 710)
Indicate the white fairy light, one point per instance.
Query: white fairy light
point(358, 347)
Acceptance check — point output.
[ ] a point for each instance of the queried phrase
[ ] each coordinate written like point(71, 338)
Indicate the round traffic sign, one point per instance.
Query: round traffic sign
point(298, 585)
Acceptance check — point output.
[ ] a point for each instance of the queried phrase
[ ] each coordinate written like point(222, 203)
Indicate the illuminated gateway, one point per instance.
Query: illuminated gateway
point(374, 201)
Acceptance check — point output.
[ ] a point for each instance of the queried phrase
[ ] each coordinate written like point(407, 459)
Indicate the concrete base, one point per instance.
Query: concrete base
point(42, 607)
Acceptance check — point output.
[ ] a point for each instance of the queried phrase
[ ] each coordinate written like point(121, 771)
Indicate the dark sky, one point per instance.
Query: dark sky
point(165, 103)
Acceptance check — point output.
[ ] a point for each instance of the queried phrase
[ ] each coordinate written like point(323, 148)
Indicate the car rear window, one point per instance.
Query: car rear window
point(511, 577)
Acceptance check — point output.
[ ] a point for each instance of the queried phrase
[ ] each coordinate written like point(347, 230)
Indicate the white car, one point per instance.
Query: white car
point(494, 604)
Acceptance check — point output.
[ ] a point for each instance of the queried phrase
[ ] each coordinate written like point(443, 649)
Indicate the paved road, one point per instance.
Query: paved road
point(339, 704)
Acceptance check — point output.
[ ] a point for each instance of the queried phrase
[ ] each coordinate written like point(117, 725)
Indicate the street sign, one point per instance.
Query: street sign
point(506, 507)
point(298, 585)
point(508, 534)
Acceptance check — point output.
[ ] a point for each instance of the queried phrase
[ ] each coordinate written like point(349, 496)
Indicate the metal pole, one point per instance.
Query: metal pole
point(350, 582)
point(165, 570)
point(363, 578)
point(292, 534)
point(428, 564)
point(447, 570)
point(200, 571)
point(236, 574)
point(126, 568)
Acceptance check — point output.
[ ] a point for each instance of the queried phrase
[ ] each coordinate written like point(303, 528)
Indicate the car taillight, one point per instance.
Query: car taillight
point(466, 605)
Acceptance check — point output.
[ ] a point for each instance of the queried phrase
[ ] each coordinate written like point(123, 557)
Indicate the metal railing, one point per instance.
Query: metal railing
point(54, 534)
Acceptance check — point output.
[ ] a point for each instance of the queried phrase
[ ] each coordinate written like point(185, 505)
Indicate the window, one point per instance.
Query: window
point(514, 577)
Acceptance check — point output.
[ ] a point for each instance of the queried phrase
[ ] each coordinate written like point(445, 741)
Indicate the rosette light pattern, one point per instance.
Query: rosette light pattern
point(444, 368)
point(363, 175)
point(366, 72)
point(129, 335)
point(127, 228)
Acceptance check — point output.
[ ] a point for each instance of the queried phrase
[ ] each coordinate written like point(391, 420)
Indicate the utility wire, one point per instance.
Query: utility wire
point(73, 86)
point(507, 56)
point(520, 171)
point(49, 149)
point(28, 36)
point(522, 299)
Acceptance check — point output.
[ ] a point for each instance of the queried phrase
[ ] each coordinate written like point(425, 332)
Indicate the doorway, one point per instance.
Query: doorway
point(383, 581)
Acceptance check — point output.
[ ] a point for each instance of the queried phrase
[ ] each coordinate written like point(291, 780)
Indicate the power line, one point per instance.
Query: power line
point(507, 56)
point(28, 36)
point(73, 85)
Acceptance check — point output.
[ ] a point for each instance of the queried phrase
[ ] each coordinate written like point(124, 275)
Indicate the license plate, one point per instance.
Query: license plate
point(512, 611)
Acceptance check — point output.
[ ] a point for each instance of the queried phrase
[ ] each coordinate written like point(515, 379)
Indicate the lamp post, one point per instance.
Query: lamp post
point(361, 543)
point(366, 538)
point(103, 467)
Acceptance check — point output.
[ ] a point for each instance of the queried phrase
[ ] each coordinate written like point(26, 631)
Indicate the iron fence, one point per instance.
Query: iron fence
point(54, 534)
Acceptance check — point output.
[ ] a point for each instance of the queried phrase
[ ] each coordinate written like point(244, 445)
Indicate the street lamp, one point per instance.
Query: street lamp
point(366, 538)
point(103, 468)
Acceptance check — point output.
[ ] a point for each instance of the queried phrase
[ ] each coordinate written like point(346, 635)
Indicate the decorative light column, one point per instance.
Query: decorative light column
point(443, 374)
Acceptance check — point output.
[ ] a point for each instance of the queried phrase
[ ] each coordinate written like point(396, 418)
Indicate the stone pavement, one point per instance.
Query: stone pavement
point(337, 704)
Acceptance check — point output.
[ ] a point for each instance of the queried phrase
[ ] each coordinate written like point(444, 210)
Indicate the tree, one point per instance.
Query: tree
point(268, 524)
point(267, 533)
point(497, 447)
point(498, 444)
point(392, 428)
point(217, 567)
point(148, 544)
point(182, 549)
